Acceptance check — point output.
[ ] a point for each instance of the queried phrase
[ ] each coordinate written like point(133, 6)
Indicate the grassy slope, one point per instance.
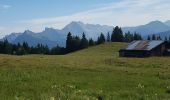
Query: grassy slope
point(90, 73)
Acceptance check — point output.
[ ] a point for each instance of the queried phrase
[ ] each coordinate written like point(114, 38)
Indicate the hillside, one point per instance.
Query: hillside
point(93, 73)
point(107, 49)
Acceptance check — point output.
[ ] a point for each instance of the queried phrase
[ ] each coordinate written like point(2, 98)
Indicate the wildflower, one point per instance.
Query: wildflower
point(140, 86)
point(101, 91)
point(72, 86)
point(53, 86)
point(79, 91)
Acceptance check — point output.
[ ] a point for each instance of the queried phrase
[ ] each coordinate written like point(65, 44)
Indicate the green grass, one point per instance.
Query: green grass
point(96, 72)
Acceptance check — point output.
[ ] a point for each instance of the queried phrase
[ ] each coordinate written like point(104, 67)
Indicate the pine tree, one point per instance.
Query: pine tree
point(84, 42)
point(121, 37)
point(7, 47)
point(114, 34)
point(32, 50)
point(101, 39)
point(148, 38)
point(166, 39)
point(159, 38)
point(21, 51)
point(14, 49)
point(26, 47)
point(117, 35)
point(128, 37)
point(46, 49)
point(137, 36)
point(75, 43)
point(108, 37)
point(91, 42)
point(1, 47)
point(153, 37)
point(55, 50)
point(69, 42)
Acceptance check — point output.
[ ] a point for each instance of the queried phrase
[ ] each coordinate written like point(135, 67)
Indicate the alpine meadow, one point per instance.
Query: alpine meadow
point(93, 73)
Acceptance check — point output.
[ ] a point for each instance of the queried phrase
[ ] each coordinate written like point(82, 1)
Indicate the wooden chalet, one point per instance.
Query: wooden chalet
point(144, 48)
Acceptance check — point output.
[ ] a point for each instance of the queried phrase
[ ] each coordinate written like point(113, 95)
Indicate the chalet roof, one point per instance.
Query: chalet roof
point(143, 45)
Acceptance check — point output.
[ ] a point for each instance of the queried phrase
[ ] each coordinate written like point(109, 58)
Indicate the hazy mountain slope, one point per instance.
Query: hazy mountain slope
point(167, 22)
point(53, 37)
point(32, 40)
point(91, 30)
point(164, 34)
point(11, 37)
point(150, 28)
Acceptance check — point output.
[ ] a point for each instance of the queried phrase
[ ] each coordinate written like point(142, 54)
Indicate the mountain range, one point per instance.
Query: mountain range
point(53, 37)
point(153, 27)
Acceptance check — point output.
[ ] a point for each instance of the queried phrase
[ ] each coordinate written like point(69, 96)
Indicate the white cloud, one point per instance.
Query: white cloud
point(122, 13)
point(4, 7)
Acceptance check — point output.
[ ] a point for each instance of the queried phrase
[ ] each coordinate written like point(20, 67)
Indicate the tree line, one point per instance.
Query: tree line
point(73, 43)
point(158, 37)
point(154, 37)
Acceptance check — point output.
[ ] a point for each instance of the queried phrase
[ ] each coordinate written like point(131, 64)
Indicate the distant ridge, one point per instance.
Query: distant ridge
point(53, 37)
point(153, 27)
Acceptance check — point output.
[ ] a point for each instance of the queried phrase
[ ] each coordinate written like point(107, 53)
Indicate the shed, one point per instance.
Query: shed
point(144, 48)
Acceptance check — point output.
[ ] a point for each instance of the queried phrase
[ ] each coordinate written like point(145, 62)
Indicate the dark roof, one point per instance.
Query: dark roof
point(143, 45)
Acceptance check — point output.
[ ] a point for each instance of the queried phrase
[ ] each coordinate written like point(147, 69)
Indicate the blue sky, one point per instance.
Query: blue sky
point(20, 15)
point(32, 9)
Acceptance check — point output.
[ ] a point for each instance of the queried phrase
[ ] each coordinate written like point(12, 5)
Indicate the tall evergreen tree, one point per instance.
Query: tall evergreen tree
point(137, 36)
point(69, 42)
point(21, 51)
point(14, 49)
point(166, 39)
point(149, 38)
point(101, 39)
point(159, 38)
point(128, 37)
point(26, 47)
point(7, 47)
point(153, 37)
point(1, 47)
point(108, 37)
point(91, 42)
point(117, 35)
point(75, 43)
point(84, 42)
point(46, 49)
